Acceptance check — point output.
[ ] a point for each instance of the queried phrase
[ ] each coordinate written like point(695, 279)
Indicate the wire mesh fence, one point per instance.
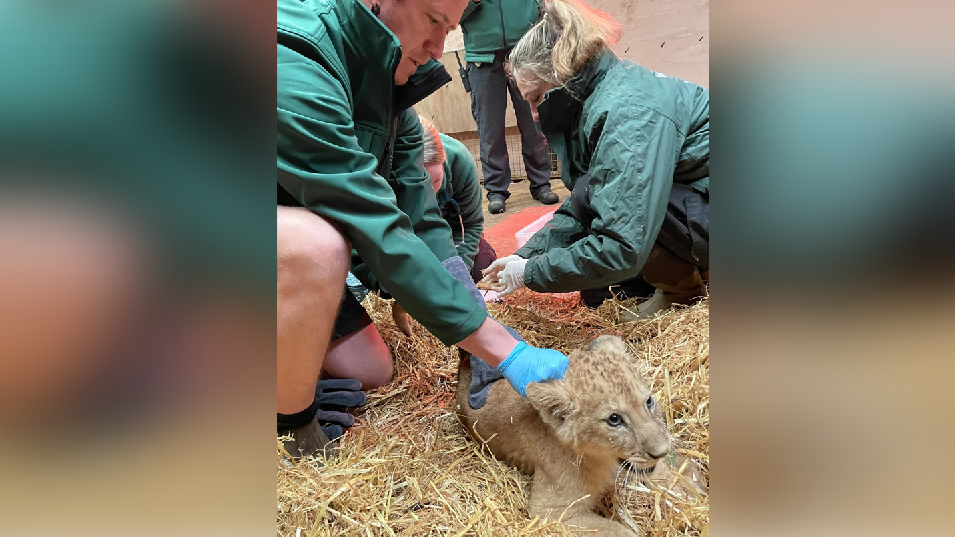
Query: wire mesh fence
point(516, 160)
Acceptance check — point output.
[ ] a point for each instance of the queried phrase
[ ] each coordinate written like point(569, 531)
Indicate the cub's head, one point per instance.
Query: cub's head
point(603, 407)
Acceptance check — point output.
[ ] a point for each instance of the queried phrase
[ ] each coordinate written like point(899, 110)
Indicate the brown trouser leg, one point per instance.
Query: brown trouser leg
point(680, 281)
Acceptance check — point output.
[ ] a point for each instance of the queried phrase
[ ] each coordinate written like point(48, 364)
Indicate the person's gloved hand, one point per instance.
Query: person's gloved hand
point(490, 273)
point(511, 278)
point(334, 396)
point(526, 364)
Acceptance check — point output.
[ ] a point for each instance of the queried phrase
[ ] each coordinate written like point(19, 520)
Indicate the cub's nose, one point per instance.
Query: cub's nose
point(658, 451)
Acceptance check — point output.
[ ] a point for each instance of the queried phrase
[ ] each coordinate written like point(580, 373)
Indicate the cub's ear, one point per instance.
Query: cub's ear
point(551, 400)
point(610, 344)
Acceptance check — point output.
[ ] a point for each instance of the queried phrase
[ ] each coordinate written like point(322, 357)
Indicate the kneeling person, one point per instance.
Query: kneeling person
point(454, 178)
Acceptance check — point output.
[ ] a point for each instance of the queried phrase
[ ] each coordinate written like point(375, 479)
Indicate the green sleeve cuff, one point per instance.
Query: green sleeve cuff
point(479, 57)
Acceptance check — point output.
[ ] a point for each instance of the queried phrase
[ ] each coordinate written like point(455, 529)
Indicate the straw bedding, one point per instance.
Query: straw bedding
point(408, 468)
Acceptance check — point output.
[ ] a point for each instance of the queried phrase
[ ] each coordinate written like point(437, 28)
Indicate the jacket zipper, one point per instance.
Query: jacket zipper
point(500, 7)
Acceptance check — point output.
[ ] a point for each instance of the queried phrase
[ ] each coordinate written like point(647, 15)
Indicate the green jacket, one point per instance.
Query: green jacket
point(350, 149)
point(635, 132)
point(460, 199)
point(492, 25)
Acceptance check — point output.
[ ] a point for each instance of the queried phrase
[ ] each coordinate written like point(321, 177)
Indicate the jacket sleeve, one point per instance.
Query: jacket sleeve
point(322, 165)
point(471, 8)
point(415, 197)
point(467, 192)
point(413, 189)
point(631, 174)
point(562, 230)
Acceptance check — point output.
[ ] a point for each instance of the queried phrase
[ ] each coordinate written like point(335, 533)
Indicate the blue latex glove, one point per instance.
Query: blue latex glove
point(528, 364)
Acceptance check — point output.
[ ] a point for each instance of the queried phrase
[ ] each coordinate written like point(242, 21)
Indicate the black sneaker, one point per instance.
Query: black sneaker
point(545, 196)
point(496, 204)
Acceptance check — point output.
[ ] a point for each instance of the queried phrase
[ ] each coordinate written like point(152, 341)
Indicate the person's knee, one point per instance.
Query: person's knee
point(380, 376)
point(311, 250)
point(383, 370)
point(361, 355)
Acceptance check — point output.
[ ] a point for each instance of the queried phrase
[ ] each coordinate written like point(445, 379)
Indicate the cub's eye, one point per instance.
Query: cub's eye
point(615, 420)
point(651, 403)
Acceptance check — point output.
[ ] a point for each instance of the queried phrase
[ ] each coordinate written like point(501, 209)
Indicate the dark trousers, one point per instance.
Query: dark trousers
point(489, 89)
point(679, 262)
point(483, 259)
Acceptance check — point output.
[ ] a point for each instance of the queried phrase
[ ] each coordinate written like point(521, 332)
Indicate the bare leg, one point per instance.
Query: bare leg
point(72, 280)
point(361, 355)
point(312, 264)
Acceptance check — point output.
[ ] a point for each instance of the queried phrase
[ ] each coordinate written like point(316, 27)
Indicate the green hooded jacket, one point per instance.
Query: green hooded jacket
point(635, 132)
point(460, 199)
point(492, 25)
point(350, 149)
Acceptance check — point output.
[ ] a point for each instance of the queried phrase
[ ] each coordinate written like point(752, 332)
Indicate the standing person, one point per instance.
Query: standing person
point(350, 182)
point(456, 186)
point(491, 28)
point(634, 146)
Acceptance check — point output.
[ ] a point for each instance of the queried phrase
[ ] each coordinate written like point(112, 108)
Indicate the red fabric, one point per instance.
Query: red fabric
point(501, 235)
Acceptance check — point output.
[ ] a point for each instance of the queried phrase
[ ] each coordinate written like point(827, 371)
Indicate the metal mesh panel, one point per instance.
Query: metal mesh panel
point(513, 141)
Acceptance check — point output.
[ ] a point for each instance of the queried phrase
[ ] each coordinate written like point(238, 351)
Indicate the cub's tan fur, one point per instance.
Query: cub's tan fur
point(561, 434)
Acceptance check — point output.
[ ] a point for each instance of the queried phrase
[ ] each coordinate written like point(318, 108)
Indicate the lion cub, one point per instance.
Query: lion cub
point(574, 435)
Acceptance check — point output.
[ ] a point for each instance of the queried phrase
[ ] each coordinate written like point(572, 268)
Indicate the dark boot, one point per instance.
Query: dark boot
point(308, 441)
point(546, 196)
point(496, 204)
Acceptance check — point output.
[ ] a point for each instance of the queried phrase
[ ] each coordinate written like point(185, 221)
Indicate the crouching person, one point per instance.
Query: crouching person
point(456, 186)
point(634, 150)
point(352, 193)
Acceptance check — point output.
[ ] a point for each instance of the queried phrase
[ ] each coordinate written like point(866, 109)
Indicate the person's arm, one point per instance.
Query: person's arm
point(562, 230)
point(322, 165)
point(467, 192)
point(631, 174)
point(413, 190)
point(524, 364)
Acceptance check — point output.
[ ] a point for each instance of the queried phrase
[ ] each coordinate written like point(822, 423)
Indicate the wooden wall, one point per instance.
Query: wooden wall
point(668, 36)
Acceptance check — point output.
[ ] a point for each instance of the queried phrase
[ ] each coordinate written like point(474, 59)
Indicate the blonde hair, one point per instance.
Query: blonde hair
point(568, 35)
point(433, 148)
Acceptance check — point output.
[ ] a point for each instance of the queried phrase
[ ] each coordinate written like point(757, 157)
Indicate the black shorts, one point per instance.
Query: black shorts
point(352, 317)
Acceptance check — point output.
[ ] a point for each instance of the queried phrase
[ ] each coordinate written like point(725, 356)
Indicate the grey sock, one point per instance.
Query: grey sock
point(482, 373)
point(456, 267)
